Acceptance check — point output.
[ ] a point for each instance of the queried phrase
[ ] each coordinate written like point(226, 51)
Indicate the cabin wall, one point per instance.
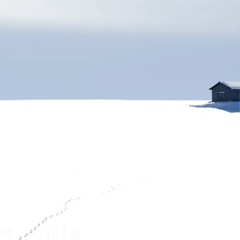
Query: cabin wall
point(229, 94)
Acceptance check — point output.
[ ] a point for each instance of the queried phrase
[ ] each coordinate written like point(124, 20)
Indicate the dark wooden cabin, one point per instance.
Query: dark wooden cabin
point(226, 91)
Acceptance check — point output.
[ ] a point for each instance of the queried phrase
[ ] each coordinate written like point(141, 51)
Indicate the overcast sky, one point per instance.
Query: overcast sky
point(128, 49)
point(159, 16)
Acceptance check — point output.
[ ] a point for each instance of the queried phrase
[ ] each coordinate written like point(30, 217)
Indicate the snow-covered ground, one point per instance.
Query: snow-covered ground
point(118, 170)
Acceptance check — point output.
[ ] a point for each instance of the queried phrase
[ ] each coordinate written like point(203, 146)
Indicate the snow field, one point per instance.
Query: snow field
point(54, 151)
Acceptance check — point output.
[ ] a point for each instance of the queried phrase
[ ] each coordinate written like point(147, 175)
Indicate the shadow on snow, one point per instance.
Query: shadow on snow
point(231, 107)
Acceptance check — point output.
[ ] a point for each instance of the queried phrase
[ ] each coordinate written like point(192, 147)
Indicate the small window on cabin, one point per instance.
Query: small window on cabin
point(220, 94)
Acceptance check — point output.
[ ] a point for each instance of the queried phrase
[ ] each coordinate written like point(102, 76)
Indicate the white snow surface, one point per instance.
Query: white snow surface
point(141, 170)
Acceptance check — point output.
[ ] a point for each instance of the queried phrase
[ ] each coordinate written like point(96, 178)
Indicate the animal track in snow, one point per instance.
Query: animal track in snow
point(65, 205)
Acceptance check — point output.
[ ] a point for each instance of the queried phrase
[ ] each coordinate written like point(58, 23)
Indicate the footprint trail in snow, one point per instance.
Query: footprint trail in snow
point(66, 207)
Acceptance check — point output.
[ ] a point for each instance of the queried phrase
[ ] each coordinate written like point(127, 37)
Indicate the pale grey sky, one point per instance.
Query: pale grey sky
point(191, 17)
point(117, 49)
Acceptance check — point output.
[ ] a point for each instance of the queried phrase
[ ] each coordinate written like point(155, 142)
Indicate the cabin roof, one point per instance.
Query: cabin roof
point(232, 85)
